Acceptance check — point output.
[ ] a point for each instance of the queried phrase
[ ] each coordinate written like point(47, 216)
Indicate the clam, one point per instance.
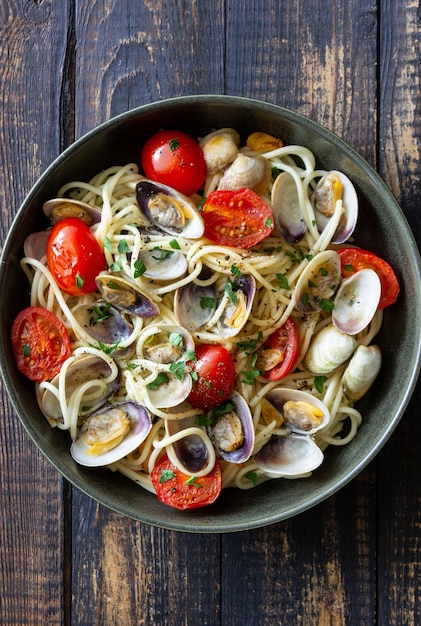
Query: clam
point(330, 189)
point(251, 172)
point(163, 264)
point(295, 453)
point(103, 322)
point(220, 149)
point(125, 295)
point(35, 245)
point(58, 209)
point(300, 411)
point(356, 301)
point(318, 282)
point(232, 430)
point(292, 455)
point(328, 350)
point(239, 303)
point(85, 368)
point(111, 434)
point(289, 220)
point(168, 210)
point(361, 371)
point(173, 346)
point(190, 451)
point(194, 303)
point(263, 142)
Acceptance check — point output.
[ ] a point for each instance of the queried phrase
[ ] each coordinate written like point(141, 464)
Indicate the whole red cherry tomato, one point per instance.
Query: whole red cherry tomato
point(213, 376)
point(40, 343)
point(74, 256)
point(355, 259)
point(282, 345)
point(236, 218)
point(175, 159)
point(182, 491)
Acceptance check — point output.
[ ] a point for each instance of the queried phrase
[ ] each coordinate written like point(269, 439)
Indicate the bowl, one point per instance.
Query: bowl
point(382, 228)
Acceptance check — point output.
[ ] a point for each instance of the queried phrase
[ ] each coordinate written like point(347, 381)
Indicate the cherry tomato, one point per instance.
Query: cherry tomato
point(74, 256)
point(284, 344)
point(215, 372)
point(175, 159)
point(40, 343)
point(182, 491)
point(355, 259)
point(236, 218)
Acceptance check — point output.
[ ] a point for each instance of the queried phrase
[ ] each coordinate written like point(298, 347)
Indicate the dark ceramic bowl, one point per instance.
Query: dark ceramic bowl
point(382, 228)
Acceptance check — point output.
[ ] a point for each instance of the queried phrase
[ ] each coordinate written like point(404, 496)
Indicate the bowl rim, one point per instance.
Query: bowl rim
point(212, 525)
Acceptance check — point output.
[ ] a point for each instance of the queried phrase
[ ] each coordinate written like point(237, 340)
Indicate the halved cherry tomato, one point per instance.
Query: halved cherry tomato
point(74, 256)
point(355, 259)
point(215, 372)
point(40, 343)
point(175, 159)
point(182, 491)
point(284, 344)
point(236, 218)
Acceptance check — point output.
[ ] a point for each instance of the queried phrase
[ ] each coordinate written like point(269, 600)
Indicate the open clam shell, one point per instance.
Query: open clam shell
point(318, 281)
point(356, 301)
point(163, 264)
point(168, 210)
point(300, 411)
point(332, 187)
point(104, 323)
point(191, 303)
point(232, 431)
point(125, 295)
point(58, 209)
point(85, 368)
point(190, 452)
point(237, 310)
point(286, 206)
point(293, 455)
point(117, 429)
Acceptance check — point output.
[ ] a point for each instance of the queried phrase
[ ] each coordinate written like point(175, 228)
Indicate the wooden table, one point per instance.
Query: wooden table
point(352, 66)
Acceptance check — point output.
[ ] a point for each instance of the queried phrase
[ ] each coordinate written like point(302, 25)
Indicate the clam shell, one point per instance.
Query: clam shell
point(104, 323)
point(289, 456)
point(140, 425)
point(279, 396)
point(251, 172)
point(237, 311)
point(188, 303)
point(84, 368)
point(190, 452)
point(163, 264)
point(289, 219)
point(220, 149)
point(348, 221)
point(361, 371)
point(168, 210)
point(318, 281)
point(125, 295)
point(356, 301)
point(243, 452)
point(328, 350)
point(58, 209)
point(35, 245)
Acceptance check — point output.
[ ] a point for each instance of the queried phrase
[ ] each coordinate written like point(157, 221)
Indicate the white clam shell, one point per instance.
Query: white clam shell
point(251, 172)
point(348, 220)
point(356, 301)
point(289, 219)
point(279, 395)
point(162, 266)
point(220, 149)
point(318, 281)
point(290, 456)
point(361, 371)
point(140, 425)
point(328, 350)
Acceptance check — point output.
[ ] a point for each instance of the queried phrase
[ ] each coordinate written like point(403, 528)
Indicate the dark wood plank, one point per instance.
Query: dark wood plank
point(32, 501)
point(319, 567)
point(400, 465)
point(155, 573)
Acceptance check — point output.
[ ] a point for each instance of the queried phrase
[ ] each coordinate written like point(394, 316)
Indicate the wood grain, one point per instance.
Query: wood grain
point(353, 67)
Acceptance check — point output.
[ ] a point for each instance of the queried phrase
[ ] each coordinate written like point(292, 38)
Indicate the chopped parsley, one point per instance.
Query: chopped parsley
point(79, 281)
point(174, 144)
